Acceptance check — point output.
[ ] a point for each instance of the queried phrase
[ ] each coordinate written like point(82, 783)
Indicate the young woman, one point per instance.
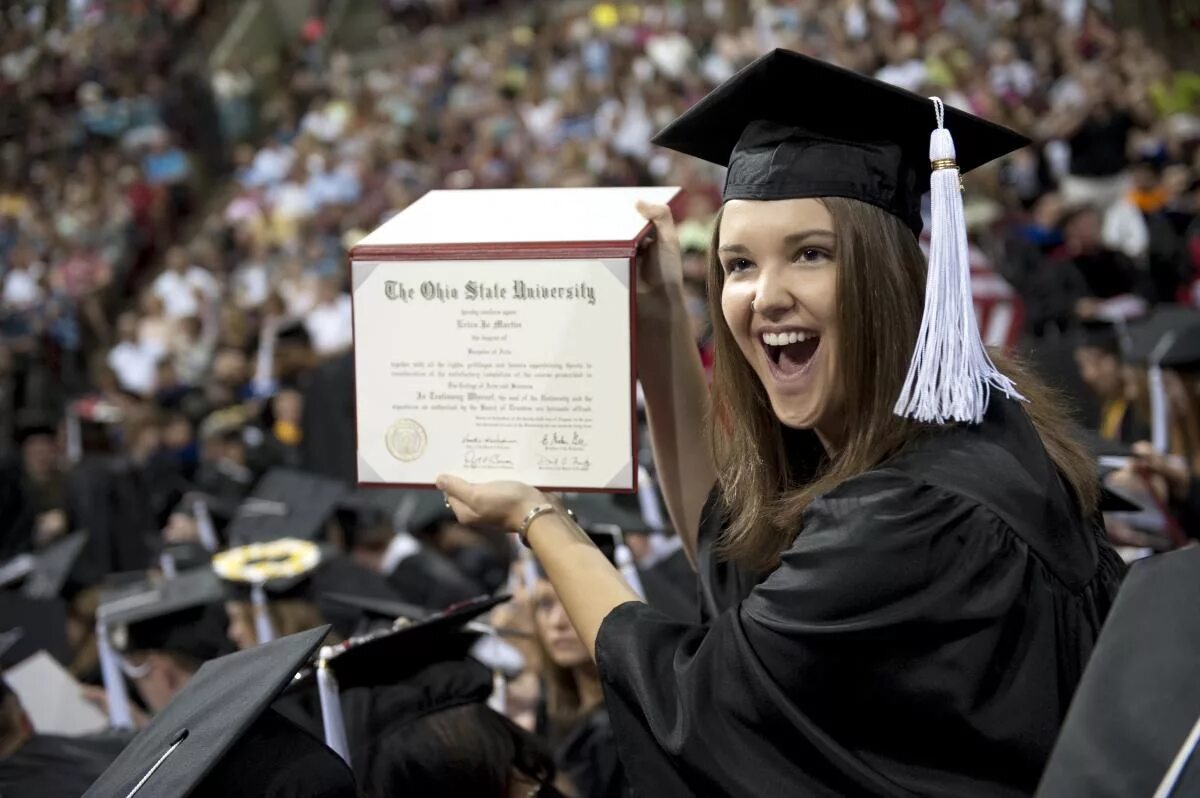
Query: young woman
point(897, 607)
point(577, 724)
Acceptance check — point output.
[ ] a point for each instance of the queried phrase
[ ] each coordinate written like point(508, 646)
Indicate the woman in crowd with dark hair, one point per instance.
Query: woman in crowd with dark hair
point(902, 565)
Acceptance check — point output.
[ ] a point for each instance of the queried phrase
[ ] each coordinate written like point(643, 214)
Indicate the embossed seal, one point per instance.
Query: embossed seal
point(406, 440)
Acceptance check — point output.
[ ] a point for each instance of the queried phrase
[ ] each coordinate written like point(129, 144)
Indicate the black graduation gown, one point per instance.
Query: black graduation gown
point(49, 766)
point(1139, 699)
point(588, 757)
point(922, 636)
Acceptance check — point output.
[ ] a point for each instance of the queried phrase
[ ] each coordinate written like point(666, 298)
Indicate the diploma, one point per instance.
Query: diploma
point(501, 359)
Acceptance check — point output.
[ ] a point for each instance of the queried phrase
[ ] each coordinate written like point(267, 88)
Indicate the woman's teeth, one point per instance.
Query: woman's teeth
point(783, 339)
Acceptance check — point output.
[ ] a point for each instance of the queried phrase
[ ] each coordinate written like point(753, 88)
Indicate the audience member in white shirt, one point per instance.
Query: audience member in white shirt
point(135, 363)
point(22, 285)
point(179, 285)
point(329, 324)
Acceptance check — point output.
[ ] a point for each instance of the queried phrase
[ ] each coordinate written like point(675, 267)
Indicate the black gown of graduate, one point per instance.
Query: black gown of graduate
point(922, 636)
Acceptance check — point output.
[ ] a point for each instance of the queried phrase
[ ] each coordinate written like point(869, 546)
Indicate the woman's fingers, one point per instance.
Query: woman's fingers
point(456, 488)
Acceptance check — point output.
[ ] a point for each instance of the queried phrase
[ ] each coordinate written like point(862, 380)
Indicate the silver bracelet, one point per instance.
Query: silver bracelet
point(535, 512)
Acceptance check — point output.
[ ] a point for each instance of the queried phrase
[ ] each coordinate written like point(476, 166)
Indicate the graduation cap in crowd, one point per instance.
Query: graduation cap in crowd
point(298, 569)
point(286, 503)
point(1134, 723)
point(1168, 338)
point(390, 656)
point(43, 574)
point(833, 145)
point(29, 625)
point(183, 616)
point(220, 737)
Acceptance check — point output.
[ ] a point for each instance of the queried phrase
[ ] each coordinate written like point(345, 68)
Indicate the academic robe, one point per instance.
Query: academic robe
point(1139, 701)
point(50, 766)
point(588, 757)
point(923, 635)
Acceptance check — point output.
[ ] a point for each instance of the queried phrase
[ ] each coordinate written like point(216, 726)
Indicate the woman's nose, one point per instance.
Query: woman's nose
point(771, 296)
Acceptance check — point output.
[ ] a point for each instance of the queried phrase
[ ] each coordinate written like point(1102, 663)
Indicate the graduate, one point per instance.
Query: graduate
point(903, 566)
point(220, 736)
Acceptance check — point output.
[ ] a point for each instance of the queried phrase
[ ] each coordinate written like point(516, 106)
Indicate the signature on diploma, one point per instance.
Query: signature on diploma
point(487, 443)
point(563, 463)
point(553, 440)
point(474, 459)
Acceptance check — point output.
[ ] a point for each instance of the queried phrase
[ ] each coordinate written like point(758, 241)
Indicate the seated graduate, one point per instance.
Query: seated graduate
point(1134, 725)
point(165, 631)
point(388, 532)
point(1098, 357)
point(418, 716)
point(577, 723)
point(48, 765)
point(220, 738)
point(904, 569)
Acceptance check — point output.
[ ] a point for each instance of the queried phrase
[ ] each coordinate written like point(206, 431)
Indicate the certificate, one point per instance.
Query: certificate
point(498, 360)
point(494, 371)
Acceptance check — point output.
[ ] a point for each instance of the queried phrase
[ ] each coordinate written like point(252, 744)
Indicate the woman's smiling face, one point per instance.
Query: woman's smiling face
point(779, 300)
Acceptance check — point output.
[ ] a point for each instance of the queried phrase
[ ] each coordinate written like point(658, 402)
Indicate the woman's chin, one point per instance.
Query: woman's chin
point(796, 415)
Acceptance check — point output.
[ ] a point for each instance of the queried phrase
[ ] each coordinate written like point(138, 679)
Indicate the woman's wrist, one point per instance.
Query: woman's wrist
point(521, 510)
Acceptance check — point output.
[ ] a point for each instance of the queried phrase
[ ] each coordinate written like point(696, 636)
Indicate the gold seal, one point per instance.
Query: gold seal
point(406, 440)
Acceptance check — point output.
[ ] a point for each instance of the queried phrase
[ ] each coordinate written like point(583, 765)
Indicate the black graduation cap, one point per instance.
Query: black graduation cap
point(301, 569)
point(789, 126)
point(219, 737)
point(46, 571)
point(379, 658)
point(183, 615)
point(286, 503)
point(30, 625)
point(1138, 703)
point(594, 510)
point(1172, 333)
point(380, 608)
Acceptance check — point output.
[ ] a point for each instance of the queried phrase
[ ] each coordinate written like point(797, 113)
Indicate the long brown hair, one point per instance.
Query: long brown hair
point(769, 474)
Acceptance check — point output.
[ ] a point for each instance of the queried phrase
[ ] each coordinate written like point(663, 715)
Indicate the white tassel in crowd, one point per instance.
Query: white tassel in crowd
point(332, 723)
point(951, 376)
point(264, 630)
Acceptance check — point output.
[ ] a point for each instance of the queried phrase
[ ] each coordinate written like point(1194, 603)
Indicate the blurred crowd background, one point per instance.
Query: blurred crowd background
point(178, 192)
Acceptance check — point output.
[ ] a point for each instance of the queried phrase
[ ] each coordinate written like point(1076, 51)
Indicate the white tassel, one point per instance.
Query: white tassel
point(120, 715)
point(333, 725)
point(951, 375)
point(264, 630)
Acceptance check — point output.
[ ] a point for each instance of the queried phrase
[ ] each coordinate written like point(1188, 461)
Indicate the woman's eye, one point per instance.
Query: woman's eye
point(737, 265)
point(812, 255)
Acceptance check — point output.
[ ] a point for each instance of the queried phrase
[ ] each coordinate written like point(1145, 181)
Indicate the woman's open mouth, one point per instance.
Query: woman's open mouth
point(790, 355)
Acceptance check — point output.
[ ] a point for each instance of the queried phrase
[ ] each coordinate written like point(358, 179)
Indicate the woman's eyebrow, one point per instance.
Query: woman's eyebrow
point(795, 239)
point(790, 240)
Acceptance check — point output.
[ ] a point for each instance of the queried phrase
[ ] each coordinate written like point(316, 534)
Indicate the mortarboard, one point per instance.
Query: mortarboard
point(387, 657)
point(1170, 338)
point(291, 568)
point(1134, 722)
point(30, 625)
point(219, 737)
point(286, 503)
point(43, 574)
point(173, 615)
point(601, 509)
point(788, 126)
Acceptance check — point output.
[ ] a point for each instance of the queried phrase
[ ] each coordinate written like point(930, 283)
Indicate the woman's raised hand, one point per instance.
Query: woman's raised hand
point(660, 265)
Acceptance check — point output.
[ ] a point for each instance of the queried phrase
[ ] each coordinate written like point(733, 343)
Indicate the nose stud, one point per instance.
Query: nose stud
point(754, 305)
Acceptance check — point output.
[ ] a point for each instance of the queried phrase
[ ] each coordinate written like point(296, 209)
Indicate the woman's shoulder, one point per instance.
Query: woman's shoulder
point(996, 475)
